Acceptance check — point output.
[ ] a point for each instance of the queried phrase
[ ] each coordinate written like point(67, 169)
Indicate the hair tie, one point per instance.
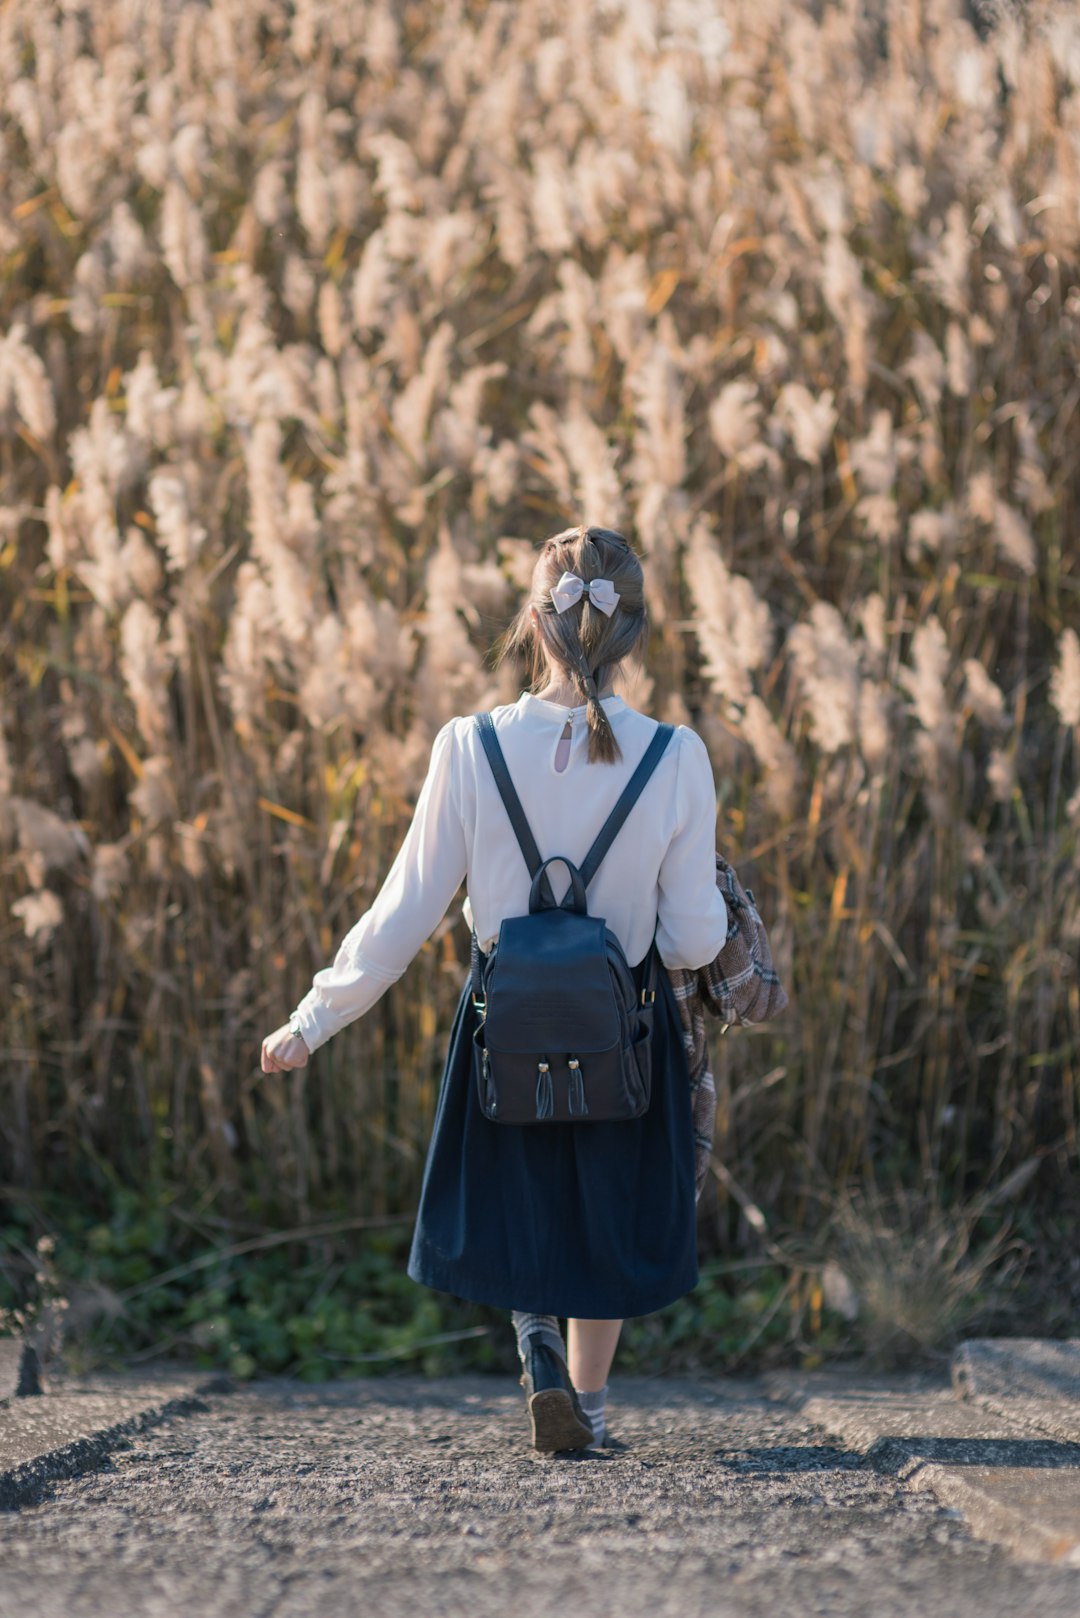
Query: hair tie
point(602, 593)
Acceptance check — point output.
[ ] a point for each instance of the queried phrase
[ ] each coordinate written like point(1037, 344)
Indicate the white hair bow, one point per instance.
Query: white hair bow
point(602, 593)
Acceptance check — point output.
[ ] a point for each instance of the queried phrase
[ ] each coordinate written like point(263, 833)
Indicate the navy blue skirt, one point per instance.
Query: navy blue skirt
point(592, 1220)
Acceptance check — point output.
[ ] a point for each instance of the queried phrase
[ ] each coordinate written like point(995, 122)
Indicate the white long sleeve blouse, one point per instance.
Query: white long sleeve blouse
point(659, 873)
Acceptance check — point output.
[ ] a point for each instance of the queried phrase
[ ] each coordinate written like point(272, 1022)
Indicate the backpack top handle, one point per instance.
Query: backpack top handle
point(604, 837)
point(575, 896)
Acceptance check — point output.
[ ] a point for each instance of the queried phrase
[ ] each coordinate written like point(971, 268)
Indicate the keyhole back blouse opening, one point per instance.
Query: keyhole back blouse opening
point(658, 875)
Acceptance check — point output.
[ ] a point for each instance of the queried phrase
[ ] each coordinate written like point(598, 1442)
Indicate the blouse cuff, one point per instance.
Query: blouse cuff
point(319, 1019)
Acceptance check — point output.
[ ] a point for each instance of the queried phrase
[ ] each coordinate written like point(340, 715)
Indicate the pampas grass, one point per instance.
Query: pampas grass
point(314, 320)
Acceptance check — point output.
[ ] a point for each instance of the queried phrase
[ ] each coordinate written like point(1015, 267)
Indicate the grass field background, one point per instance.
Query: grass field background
point(315, 320)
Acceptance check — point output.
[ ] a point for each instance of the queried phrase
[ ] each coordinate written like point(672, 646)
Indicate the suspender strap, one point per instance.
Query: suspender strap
point(608, 831)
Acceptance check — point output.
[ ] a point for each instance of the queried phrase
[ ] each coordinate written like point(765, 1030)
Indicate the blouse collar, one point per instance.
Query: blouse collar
point(528, 703)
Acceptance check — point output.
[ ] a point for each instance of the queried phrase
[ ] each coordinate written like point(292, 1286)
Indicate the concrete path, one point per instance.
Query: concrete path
point(1007, 1461)
point(70, 1432)
point(1030, 1381)
point(399, 1496)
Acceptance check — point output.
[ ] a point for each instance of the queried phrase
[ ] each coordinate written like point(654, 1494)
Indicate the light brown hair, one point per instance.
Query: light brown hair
point(582, 640)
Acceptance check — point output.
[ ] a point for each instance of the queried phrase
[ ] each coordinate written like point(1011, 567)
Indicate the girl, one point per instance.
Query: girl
point(589, 1221)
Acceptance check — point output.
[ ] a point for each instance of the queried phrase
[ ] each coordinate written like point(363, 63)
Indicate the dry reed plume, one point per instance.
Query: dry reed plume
point(314, 318)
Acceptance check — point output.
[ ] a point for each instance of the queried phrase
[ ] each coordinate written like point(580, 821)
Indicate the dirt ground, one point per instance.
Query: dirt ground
point(400, 1496)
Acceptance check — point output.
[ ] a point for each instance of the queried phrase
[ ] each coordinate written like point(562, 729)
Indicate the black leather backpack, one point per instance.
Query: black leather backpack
point(564, 1035)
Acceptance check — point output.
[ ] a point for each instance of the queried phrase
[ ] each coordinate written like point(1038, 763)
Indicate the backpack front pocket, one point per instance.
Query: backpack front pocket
point(514, 1087)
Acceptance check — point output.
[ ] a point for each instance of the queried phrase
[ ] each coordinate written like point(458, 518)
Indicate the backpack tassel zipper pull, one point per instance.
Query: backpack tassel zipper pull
point(575, 1098)
point(545, 1098)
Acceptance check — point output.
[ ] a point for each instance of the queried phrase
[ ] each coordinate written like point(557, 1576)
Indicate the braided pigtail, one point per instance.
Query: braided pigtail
point(603, 743)
point(583, 639)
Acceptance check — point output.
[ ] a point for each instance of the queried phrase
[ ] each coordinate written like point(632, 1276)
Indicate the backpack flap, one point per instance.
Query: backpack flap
point(550, 986)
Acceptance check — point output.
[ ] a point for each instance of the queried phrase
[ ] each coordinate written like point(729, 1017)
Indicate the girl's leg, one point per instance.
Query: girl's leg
point(592, 1348)
point(591, 1345)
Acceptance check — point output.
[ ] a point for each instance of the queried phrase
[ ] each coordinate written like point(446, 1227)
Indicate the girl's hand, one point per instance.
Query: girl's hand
point(282, 1050)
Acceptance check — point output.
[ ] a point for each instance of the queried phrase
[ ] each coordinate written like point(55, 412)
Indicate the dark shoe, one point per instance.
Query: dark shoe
point(558, 1421)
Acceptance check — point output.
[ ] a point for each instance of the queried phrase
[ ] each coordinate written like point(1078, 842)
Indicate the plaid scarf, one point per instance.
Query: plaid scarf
point(741, 985)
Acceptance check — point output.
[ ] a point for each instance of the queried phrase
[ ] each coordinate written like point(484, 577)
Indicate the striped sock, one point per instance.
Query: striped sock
point(546, 1327)
point(594, 1405)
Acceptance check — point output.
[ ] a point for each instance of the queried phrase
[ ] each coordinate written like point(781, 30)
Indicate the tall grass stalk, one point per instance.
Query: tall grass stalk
point(313, 321)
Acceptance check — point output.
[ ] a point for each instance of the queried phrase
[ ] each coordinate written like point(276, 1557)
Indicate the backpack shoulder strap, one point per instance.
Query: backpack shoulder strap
point(608, 831)
point(508, 793)
point(627, 799)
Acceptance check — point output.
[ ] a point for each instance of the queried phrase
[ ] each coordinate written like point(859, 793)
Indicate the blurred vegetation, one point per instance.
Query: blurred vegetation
point(313, 322)
point(154, 1280)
